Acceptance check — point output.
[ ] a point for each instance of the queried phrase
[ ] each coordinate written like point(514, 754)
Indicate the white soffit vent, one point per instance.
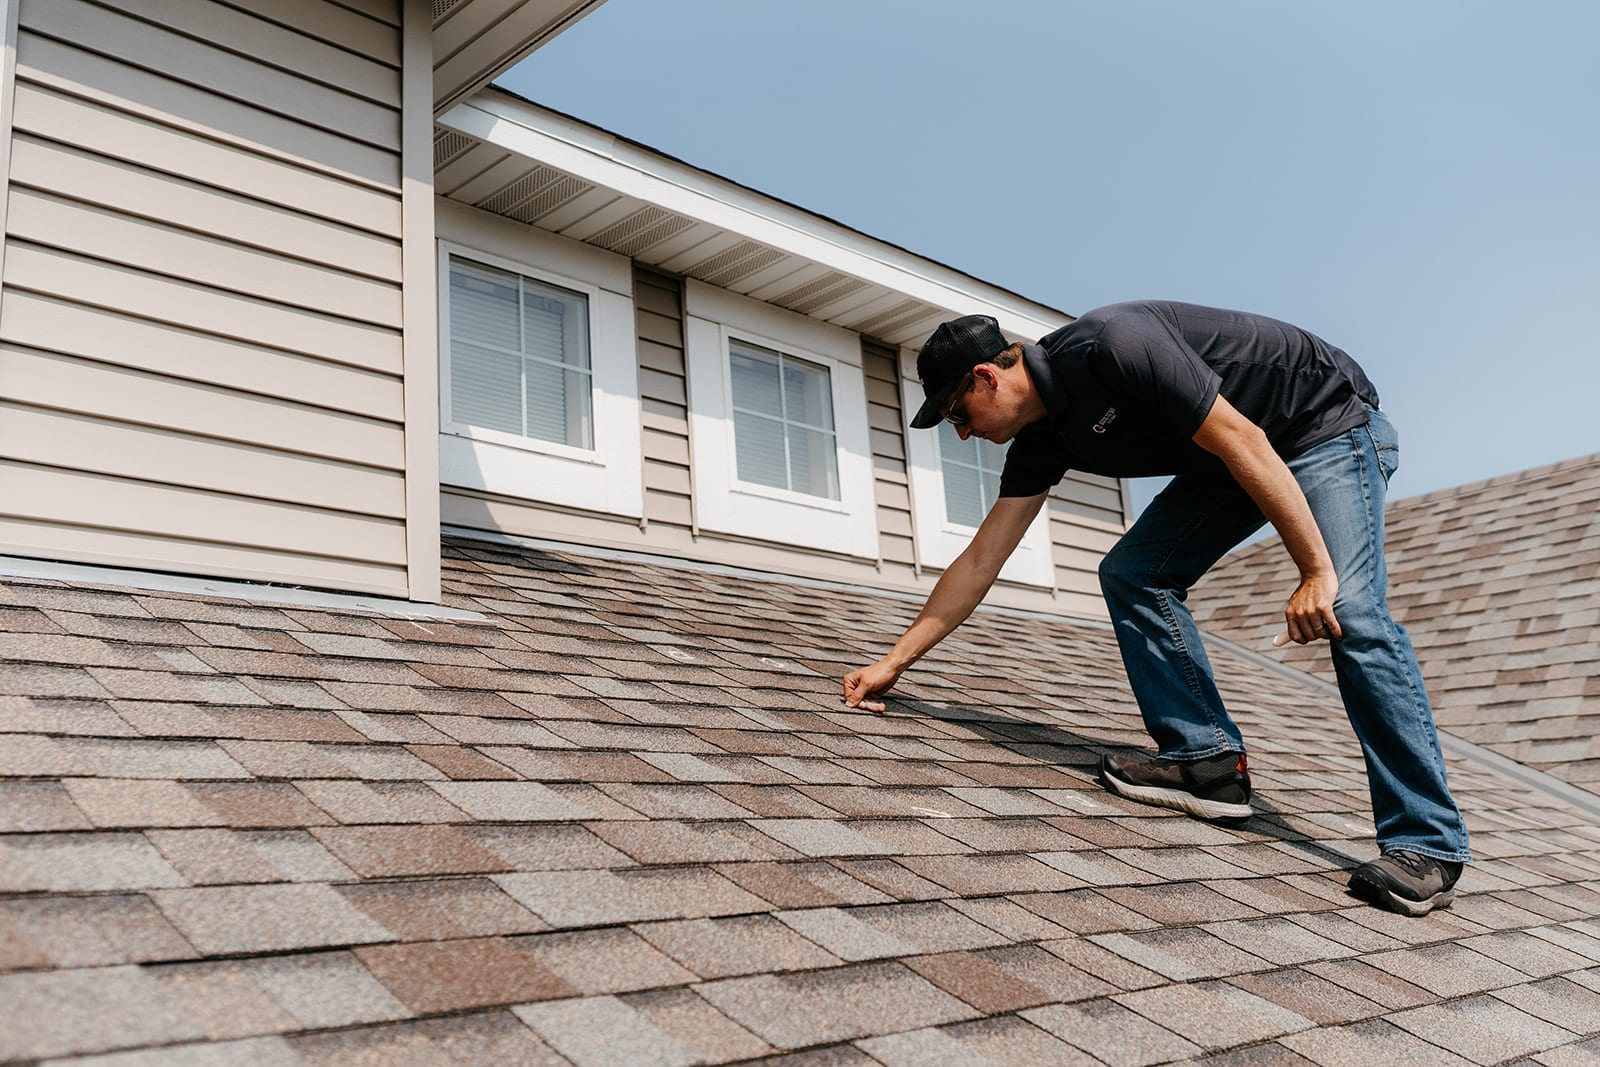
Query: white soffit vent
point(640, 230)
point(447, 145)
point(891, 317)
point(559, 192)
point(740, 261)
point(825, 290)
point(524, 188)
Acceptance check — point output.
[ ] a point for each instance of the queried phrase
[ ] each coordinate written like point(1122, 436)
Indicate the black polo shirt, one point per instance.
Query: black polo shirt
point(1126, 387)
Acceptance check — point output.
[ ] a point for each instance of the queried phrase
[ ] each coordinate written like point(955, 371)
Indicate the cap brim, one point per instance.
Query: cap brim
point(930, 414)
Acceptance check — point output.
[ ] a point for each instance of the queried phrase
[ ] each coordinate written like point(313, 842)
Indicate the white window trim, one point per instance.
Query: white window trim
point(713, 318)
point(608, 478)
point(940, 541)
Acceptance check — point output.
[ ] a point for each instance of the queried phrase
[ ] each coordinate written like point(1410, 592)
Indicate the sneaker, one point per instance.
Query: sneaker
point(1216, 787)
point(1406, 882)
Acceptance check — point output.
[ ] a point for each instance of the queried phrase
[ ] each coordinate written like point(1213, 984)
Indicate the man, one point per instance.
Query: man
point(1259, 421)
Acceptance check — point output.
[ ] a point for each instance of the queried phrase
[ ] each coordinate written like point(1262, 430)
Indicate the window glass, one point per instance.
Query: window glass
point(971, 471)
point(783, 422)
point(519, 356)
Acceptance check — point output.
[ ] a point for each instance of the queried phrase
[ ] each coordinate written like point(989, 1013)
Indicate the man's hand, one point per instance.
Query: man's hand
point(1309, 615)
point(869, 682)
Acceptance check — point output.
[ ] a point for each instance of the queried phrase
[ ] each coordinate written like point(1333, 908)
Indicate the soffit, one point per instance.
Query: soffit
point(501, 154)
point(475, 41)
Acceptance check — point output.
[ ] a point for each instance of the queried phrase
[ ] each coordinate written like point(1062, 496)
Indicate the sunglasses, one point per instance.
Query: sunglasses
point(954, 415)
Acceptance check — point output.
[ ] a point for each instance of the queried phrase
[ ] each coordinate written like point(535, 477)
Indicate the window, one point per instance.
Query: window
point(538, 377)
point(783, 421)
point(519, 356)
point(971, 475)
point(778, 425)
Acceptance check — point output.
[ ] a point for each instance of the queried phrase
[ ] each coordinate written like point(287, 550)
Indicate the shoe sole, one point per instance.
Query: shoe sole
point(1178, 800)
point(1382, 896)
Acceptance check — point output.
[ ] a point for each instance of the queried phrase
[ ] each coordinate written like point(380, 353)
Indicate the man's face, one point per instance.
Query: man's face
point(984, 406)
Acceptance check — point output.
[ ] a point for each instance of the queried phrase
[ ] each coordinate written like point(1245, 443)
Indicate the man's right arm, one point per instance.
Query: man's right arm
point(958, 591)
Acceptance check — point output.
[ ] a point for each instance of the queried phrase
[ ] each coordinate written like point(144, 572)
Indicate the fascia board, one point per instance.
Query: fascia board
point(605, 160)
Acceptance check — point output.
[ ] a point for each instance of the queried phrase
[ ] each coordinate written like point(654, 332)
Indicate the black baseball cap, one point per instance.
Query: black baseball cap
point(953, 349)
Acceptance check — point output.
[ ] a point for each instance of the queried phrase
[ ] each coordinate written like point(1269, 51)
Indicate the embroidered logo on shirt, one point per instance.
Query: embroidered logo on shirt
point(1105, 420)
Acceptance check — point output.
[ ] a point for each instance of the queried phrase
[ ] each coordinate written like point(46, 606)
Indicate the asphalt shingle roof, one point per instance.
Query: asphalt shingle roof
point(1498, 584)
point(625, 819)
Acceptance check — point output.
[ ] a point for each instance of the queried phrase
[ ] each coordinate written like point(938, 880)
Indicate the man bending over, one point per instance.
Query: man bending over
point(1259, 421)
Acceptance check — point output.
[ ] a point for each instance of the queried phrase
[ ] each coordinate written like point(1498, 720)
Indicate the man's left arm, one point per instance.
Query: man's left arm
point(1261, 473)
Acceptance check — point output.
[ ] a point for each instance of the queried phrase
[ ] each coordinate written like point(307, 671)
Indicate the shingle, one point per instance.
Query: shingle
point(562, 765)
point(738, 945)
point(81, 863)
point(1214, 1015)
point(1111, 1033)
point(888, 876)
point(990, 874)
point(513, 801)
point(97, 931)
point(230, 919)
point(221, 998)
point(1482, 1029)
point(793, 1011)
point(49, 715)
point(441, 908)
point(1181, 954)
point(664, 841)
point(1380, 986)
point(1095, 868)
point(324, 989)
point(1085, 911)
point(1304, 993)
point(1009, 919)
point(801, 885)
point(1003, 1040)
point(75, 1012)
point(546, 847)
point(397, 851)
point(1277, 940)
point(381, 802)
point(600, 1031)
point(257, 805)
point(461, 763)
point(1533, 956)
point(710, 1036)
point(603, 961)
point(482, 1038)
point(586, 898)
point(458, 975)
point(1178, 903)
point(1556, 1000)
point(43, 680)
point(675, 801)
point(1368, 1042)
point(1447, 970)
point(31, 807)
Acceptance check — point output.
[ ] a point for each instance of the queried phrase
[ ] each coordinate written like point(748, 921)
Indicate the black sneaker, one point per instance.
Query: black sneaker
point(1406, 882)
point(1216, 787)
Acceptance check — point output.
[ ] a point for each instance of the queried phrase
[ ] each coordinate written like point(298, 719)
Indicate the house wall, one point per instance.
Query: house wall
point(1086, 514)
point(201, 348)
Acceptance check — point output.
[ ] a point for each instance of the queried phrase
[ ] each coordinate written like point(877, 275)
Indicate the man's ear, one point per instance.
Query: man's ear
point(988, 374)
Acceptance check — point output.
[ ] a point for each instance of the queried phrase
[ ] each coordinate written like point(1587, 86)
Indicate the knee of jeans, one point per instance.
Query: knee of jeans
point(1123, 569)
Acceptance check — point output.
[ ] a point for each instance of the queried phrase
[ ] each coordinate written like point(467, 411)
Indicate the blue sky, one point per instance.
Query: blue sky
point(1418, 181)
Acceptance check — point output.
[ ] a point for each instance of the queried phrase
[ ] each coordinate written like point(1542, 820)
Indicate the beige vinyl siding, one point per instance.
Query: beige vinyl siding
point(891, 481)
point(1086, 518)
point(201, 365)
point(663, 399)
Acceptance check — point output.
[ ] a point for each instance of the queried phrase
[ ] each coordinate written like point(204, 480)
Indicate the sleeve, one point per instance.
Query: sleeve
point(1034, 462)
point(1144, 357)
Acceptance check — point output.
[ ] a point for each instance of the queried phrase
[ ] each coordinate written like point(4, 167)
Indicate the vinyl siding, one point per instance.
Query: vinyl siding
point(892, 483)
point(200, 347)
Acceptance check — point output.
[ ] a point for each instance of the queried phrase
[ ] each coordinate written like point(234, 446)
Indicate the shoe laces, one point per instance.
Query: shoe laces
point(1417, 864)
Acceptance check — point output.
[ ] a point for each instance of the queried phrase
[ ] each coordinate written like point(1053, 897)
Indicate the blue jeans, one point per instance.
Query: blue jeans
point(1196, 520)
